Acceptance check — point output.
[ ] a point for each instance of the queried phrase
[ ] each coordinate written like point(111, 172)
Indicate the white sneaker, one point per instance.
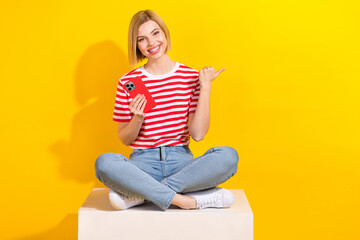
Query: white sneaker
point(213, 198)
point(120, 201)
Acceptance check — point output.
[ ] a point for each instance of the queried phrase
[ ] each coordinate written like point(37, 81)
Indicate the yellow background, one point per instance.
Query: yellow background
point(288, 102)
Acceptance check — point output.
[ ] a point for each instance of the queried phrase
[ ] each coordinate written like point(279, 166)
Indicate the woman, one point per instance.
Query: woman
point(161, 167)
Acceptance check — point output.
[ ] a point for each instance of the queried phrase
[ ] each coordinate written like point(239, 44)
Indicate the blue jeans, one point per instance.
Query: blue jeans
point(157, 174)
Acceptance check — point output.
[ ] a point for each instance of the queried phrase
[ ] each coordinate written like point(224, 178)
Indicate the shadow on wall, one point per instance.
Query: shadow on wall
point(67, 229)
point(93, 131)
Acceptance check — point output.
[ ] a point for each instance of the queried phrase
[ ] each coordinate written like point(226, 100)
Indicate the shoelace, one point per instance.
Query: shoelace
point(214, 200)
point(131, 199)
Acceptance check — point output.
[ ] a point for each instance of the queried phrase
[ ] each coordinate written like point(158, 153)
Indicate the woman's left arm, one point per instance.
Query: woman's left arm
point(199, 121)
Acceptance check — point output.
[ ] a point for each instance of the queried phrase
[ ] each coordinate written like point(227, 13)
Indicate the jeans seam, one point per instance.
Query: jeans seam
point(185, 168)
point(166, 206)
point(163, 182)
point(220, 181)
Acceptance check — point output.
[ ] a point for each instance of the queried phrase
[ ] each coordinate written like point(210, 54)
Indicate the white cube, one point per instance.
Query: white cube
point(99, 221)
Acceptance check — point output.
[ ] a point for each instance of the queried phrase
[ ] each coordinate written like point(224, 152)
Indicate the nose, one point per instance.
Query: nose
point(151, 41)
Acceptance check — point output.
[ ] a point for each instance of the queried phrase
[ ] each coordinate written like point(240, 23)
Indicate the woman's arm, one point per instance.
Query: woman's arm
point(199, 121)
point(128, 131)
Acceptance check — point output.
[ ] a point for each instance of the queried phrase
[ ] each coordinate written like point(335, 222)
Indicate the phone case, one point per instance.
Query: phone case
point(136, 86)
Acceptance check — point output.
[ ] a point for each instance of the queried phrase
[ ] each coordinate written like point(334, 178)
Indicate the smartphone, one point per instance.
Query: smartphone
point(136, 86)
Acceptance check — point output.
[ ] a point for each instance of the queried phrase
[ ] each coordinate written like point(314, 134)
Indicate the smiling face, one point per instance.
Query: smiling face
point(151, 40)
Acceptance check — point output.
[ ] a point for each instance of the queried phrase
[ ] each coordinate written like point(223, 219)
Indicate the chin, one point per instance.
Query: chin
point(156, 57)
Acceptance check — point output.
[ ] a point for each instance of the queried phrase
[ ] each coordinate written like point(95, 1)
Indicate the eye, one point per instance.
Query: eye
point(140, 39)
point(156, 32)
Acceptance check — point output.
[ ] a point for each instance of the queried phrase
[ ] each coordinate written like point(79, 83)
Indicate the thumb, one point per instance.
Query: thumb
point(220, 71)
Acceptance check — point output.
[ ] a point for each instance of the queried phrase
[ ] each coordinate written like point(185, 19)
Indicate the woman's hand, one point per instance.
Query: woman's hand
point(137, 106)
point(207, 76)
point(129, 131)
point(199, 121)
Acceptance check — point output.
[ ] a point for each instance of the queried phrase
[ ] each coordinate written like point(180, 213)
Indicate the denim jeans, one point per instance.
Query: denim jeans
point(157, 174)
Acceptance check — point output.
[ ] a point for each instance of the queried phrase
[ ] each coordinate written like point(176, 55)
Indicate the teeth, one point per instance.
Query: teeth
point(155, 49)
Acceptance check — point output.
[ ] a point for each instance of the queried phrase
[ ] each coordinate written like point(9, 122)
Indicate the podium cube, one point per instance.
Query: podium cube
point(98, 220)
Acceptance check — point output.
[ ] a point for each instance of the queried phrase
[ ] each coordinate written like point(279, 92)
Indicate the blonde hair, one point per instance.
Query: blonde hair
point(139, 18)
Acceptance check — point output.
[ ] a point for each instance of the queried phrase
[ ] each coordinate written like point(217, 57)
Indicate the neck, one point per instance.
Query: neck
point(160, 66)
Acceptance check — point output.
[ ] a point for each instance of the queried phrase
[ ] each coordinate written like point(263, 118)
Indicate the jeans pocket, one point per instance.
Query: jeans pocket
point(183, 150)
point(135, 153)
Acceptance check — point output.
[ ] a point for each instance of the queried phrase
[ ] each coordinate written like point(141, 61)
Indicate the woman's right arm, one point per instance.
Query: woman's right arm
point(128, 131)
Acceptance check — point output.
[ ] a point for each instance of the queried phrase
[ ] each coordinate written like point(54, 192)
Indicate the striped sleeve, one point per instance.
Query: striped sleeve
point(121, 109)
point(194, 98)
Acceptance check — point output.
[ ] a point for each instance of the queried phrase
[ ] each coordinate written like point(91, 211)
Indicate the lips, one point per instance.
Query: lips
point(154, 50)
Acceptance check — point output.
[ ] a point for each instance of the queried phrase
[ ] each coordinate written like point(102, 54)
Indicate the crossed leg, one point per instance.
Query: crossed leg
point(216, 166)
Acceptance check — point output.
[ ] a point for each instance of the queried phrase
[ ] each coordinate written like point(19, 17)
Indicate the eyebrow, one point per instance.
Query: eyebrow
point(151, 32)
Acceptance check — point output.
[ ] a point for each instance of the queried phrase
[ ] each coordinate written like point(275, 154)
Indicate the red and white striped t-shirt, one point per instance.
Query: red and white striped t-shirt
point(176, 95)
